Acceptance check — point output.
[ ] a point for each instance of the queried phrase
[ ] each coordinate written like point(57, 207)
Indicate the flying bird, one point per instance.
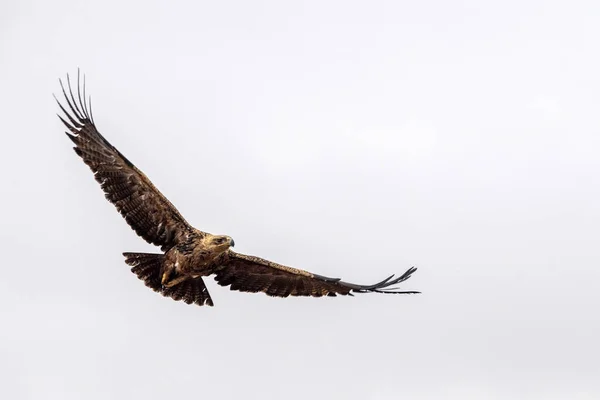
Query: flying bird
point(188, 254)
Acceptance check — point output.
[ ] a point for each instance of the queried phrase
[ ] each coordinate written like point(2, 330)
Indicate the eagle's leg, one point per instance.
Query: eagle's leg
point(176, 281)
point(165, 276)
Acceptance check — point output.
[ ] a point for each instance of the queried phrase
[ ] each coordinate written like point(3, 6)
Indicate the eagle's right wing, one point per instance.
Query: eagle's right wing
point(254, 274)
point(146, 210)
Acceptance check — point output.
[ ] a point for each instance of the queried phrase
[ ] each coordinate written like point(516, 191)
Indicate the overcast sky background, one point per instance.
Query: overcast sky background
point(352, 139)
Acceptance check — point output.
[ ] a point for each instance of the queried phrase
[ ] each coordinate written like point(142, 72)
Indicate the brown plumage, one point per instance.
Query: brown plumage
point(189, 254)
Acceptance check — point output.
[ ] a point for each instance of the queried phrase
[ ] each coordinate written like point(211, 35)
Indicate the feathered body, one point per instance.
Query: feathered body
point(189, 254)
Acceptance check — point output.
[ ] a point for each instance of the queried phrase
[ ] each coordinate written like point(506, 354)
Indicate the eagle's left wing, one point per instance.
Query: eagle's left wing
point(144, 207)
point(253, 274)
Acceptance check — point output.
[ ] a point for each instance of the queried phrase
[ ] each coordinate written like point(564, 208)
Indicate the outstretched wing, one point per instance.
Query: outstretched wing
point(253, 274)
point(145, 209)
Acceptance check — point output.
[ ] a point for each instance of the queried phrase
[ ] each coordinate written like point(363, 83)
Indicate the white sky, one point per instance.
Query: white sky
point(353, 139)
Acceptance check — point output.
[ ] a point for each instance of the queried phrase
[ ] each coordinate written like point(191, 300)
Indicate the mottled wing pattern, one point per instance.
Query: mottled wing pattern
point(145, 209)
point(253, 274)
point(148, 268)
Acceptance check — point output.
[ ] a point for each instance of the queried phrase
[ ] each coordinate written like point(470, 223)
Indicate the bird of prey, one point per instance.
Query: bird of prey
point(188, 253)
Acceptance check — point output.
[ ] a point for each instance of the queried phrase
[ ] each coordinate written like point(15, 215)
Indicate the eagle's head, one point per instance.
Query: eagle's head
point(221, 243)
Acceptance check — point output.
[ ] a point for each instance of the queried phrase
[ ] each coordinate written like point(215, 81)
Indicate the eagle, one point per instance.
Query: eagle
point(188, 254)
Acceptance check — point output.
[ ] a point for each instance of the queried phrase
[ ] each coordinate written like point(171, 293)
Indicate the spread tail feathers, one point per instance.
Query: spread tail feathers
point(148, 268)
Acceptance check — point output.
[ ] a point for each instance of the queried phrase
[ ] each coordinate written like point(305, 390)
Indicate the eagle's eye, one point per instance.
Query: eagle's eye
point(222, 239)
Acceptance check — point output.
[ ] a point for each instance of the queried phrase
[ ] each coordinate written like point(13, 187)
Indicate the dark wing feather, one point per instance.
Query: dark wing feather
point(253, 274)
point(146, 210)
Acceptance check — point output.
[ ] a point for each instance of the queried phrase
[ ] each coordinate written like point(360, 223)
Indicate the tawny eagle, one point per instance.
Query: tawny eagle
point(189, 254)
